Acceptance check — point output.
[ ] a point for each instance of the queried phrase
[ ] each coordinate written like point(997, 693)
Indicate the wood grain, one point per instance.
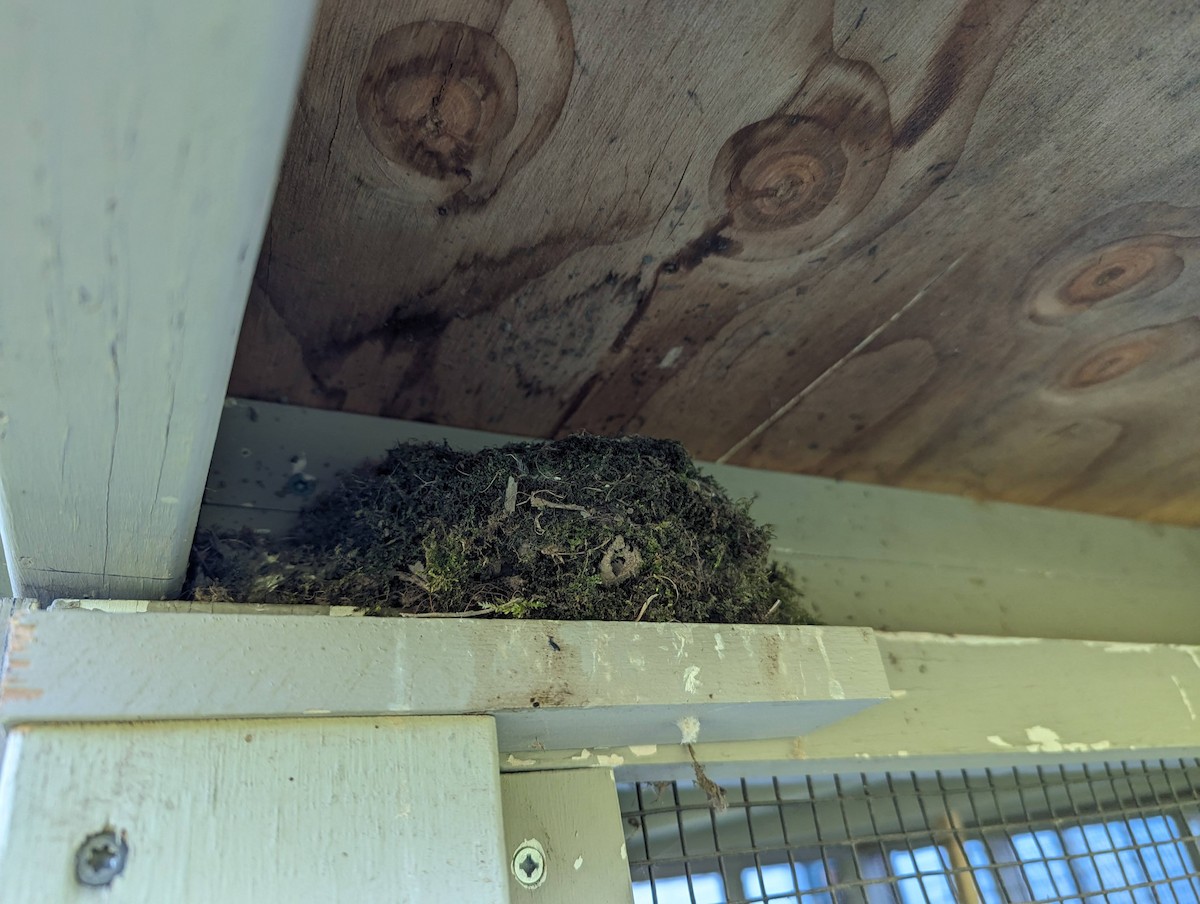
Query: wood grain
point(945, 245)
point(140, 150)
point(396, 810)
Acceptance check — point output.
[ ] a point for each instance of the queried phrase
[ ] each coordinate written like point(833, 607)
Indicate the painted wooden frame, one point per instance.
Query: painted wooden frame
point(141, 144)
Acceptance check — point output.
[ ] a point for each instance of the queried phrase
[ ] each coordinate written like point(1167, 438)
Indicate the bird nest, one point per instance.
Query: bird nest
point(580, 528)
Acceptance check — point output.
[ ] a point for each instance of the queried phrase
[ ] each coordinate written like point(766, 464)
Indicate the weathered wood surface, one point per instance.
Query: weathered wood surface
point(946, 245)
point(549, 684)
point(322, 810)
point(141, 144)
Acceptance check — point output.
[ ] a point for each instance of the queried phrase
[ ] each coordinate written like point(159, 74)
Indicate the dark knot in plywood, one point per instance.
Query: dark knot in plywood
point(1115, 273)
point(1136, 358)
point(793, 179)
point(436, 96)
point(782, 171)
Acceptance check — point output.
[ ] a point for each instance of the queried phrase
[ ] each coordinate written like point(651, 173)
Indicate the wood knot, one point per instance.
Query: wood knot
point(435, 97)
point(783, 172)
point(1144, 360)
point(1109, 362)
point(1119, 272)
point(794, 179)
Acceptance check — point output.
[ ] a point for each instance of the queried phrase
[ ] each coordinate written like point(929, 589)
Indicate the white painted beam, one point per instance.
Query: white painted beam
point(141, 144)
point(886, 558)
point(549, 684)
point(353, 810)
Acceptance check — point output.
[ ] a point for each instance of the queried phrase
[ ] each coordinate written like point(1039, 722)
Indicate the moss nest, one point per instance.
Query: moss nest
point(579, 528)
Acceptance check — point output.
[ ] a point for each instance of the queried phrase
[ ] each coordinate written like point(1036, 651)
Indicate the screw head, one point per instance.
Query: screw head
point(101, 858)
point(529, 863)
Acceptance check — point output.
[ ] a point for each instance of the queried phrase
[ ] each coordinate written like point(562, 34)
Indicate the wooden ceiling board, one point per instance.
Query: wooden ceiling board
point(944, 245)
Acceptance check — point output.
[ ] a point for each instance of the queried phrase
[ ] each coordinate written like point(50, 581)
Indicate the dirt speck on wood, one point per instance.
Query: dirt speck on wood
point(622, 529)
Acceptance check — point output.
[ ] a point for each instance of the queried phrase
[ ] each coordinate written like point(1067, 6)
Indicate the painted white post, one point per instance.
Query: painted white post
point(141, 144)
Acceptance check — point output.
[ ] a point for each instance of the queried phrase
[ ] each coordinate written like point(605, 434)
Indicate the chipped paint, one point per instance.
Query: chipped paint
point(965, 640)
point(1123, 647)
point(317, 712)
point(799, 752)
point(719, 645)
point(671, 358)
point(680, 644)
point(1184, 697)
point(612, 760)
point(689, 728)
point(1045, 740)
point(584, 754)
point(999, 741)
point(515, 761)
point(624, 855)
point(1191, 652)
point(691, 679)
point(643, 749)
point(901, 753)
point(578, 864)
point(899, 694)
point(836, 691)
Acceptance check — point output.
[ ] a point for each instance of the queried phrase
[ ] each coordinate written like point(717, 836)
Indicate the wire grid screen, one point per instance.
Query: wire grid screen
point(1119, 833)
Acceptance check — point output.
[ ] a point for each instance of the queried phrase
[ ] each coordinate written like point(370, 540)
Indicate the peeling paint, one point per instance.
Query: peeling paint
point(1045, 740)
point(1124, 647)
point(610, 759)
point(582, 755)
point(965, 640)
point(643, 749)
point(317, 712)
point(1184, 697)
point(719, 645)
point(836, 691)
point(680, 643)
point(514, 761)
point(689, 728)
point(998, 741)
point(691, 679)
point(1191, 652)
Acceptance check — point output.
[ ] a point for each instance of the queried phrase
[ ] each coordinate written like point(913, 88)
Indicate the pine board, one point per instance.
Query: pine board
point(945, 244)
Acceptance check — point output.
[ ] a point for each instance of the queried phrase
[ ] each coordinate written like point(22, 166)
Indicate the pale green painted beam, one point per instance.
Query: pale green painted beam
point(548, 684)
point(141, 144)
point(967, 702)
point(885, 558)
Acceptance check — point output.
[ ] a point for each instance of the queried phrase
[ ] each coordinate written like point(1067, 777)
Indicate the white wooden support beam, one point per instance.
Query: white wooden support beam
point(550, 685)
point(390, 809)
point(141, 145)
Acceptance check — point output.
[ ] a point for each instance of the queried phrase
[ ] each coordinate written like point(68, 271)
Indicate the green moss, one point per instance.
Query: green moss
point(580, 528)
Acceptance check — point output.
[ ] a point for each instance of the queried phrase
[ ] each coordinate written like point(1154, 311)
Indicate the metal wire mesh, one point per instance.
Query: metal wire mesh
point(1123, 834)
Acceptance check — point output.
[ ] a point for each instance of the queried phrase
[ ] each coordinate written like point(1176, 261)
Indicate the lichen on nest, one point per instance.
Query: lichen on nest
point(580, 528)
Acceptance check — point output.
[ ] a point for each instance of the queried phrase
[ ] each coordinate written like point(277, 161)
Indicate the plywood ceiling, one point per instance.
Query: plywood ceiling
point(943, 244)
